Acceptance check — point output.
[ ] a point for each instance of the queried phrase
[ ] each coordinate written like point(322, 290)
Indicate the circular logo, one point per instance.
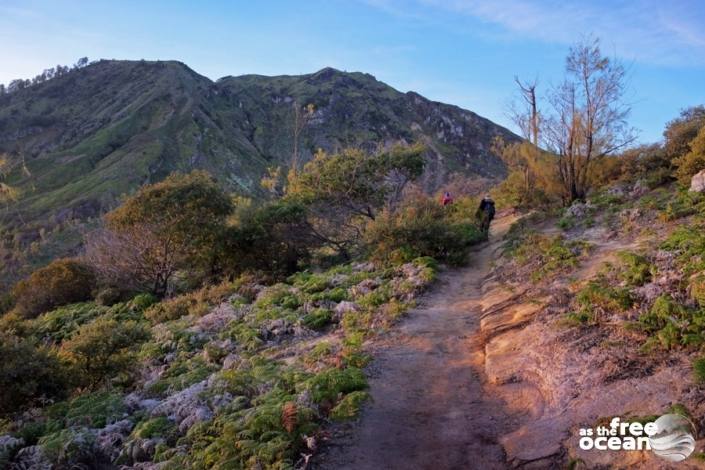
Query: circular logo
point(673, 439)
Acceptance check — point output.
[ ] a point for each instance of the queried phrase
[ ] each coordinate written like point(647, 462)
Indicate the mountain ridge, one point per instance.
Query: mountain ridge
point(80, 141)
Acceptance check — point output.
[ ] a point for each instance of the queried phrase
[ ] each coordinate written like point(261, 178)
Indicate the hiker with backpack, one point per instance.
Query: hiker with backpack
point(485, 214)
point(447, 199)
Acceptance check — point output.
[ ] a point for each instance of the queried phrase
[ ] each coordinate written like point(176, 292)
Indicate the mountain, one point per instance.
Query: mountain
point(80, 141)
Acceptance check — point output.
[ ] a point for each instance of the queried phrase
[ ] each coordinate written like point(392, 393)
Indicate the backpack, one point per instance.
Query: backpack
point(489, 208)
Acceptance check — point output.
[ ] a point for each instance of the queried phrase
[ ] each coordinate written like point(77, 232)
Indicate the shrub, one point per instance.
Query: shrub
point(349, 406)
point(169, 309)
point(108, 296)
point(104, 348)
point(689, 243)
point(318, 318)
point(697, 289)
point(327, 385)
point(420, 228)
point(62, 282)
point(155, 427)
point(637, 269)
point(694, 161)
point(29, 374)
point(598, 297)
point(95, 410)
point(550, 254)
point(142, 302)
point(175, 224)
point(699, 370)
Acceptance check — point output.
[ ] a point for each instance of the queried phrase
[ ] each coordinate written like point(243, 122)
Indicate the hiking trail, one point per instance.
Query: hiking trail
point(430, 407)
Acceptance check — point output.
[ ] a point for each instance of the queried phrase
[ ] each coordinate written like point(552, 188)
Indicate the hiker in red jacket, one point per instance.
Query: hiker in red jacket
point(446, 199)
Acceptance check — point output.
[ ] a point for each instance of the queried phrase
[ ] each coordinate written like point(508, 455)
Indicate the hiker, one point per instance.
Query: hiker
point(485, 214)
point(447, 199)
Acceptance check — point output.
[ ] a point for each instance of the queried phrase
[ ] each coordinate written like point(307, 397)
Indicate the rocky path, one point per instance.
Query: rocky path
point(430, 405)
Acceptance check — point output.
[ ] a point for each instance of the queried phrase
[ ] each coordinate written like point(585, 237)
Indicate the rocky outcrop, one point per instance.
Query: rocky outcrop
point(697, 183)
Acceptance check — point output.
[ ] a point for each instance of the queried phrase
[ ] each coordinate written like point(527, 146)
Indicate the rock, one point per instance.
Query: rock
point(617, 190)
point(640, 188)
point(109, 440)
point(345, 307)
point(338, 279)
point(363, 267)
point(364, 287)
point(273, 330)
point(135, 402)
point(649, 292)
point(217, 319)
point(231, 360)
point(8, 445)
point(141, 450)
point(579, 210)
point(697, 182)
point(31, 458)
point(186, 407)
point(218, 402)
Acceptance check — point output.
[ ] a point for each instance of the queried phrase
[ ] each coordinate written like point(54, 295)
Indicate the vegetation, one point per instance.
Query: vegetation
point(29, 374)
point(62, 282)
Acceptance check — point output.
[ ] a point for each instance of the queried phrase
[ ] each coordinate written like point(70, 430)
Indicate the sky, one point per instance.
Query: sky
point(463, 52)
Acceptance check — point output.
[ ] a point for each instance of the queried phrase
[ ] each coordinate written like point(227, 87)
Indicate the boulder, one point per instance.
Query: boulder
point(579, 210)
point(364, 287)
point(697, 183)
point(141, 450)
point(186, 407)
point(8, 445)
point(640, 188)
point(273, 330)
point(109, 440)
point(344, 307)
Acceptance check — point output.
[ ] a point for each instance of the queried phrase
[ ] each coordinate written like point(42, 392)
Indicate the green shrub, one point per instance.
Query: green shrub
point(697, 289)
point(142, 302)
point(689, 243)
point(598, 296)
point(28, 374)
point(108, 296)
point(318, 319)
point(550, 254)
point(699, 370)
point(155, 427)
point(637, 269)
point(94, 410)
point(673, 324)
point(62, 282)
point(170, 309)
point(420, 228)
point(104, 348)
point(349, 406)
point(337, 294)
point(327, 385)
point(60, 324)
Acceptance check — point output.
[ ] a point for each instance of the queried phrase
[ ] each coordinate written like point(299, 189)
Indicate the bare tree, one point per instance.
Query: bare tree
point(137, 259)
point(302, 116)
point(588, 116)
point(526, 116)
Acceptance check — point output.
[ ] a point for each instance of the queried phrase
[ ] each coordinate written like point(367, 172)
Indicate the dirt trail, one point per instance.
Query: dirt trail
point(430, 408)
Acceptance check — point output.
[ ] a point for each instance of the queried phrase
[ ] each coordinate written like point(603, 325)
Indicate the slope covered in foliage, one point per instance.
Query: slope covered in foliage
point(76, 143)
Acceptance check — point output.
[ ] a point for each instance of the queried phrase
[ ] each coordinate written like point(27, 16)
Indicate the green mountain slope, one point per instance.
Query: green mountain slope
point(78, 142)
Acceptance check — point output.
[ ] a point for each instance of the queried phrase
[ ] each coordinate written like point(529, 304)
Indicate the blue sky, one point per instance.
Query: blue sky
point(464, 52)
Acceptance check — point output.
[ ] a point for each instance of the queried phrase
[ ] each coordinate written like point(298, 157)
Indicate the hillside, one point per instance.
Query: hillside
point(78, 142)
